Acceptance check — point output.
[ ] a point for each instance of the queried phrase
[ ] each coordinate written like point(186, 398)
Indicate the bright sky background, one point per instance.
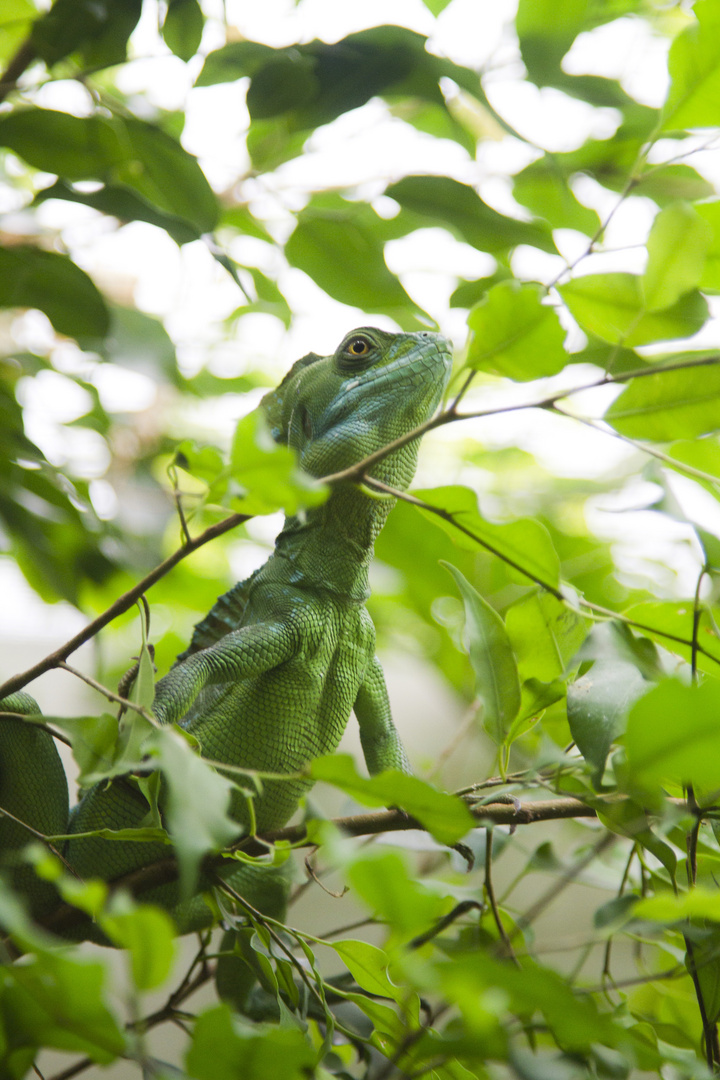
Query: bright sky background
point(366, 148)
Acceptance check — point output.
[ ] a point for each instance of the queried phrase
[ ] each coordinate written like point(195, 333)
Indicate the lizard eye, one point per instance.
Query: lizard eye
point(358, 346)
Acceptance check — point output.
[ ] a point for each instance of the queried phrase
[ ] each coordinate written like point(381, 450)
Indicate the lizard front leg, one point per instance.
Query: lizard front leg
point(241, 654)
point(379, 738)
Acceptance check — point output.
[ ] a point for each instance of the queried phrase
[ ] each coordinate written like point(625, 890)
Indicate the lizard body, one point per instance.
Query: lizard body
point(273, 672)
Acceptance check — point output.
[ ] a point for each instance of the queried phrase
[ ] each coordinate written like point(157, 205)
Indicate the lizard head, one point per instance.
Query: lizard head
point(376, 387)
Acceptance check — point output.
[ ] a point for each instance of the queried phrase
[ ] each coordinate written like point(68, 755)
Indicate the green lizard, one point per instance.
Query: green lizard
point(272, 674)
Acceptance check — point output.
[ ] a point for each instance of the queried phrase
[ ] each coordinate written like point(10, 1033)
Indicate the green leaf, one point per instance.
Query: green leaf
point(545, 635)
point(694, 64)
point(703, 454)
point(122, 203)
point(196, 803)
point(443, 201)
point(524, 545)
point(612, 307)
point(183, 27)
point(670, 623)
point(224, 1047)
point(444, 816)
point(284, 84)
point(391, 891)
point(547, 29)
point(385, 1019)
point(118, 151)
point(573, 1020)
point(697, 903)
point(16, 19)
point(167, 176)
point(673, 734)
point(436, 6)
point(148, 933)
point(668, 183)
point(310, 83)
point(94, 743)
point(705, 962)
point(233, 61)
point(515, 334)
point(629, 818)
point(710, 213)
point(597, 708)
point(54, 1001)
point(677, 244)
point(543, 187)
point(341, 247)
point(368, 965)
point(74, 147)
point(98, 31)
point(31, 278)
point(267, 472)
point(140, 342)
point(488, 646)
point(679, 404)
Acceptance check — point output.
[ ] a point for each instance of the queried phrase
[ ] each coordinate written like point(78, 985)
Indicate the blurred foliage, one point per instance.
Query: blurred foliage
point(594, 677)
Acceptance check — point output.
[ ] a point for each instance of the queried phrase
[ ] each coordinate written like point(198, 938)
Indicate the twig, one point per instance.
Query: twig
point(121, 605)
point(644, 448)
point(19, 63)
point(507, 949)
point(566, 879)
point(446, 515)
point(442, 924)
point(165, 870)
point(109, 694)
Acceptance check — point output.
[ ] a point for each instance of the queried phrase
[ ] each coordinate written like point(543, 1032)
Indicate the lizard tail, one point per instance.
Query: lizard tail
point(33, 797)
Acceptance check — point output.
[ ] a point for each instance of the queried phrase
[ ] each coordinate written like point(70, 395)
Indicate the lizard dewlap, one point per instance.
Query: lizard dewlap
point(273, 673)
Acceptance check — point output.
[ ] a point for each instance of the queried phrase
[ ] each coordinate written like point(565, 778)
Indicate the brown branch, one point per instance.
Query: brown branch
point(20, 62)
point(353, 473)
point(451, 518)
point(490, 893)
point(450, 415)
point(121, 605)
point(139, 881)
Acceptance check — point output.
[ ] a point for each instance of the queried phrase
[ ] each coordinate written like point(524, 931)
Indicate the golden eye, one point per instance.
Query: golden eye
point(358, 346)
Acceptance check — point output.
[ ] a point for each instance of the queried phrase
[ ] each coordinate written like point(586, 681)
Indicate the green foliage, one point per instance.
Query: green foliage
point(492, 658)
point(613, 307)
point(510, 326)
point(446, 818)
point(585, 642)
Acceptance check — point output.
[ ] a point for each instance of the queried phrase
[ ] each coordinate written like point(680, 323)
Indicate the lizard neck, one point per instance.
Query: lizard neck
point(330, 547)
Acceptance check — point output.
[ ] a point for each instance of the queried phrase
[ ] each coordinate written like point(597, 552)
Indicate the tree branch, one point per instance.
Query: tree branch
point(20, 62)
point(121, 605)
point(140, 881)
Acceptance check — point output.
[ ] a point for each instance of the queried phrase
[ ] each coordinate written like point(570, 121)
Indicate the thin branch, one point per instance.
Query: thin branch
point(39, 836)
point(562, 882)
point(109, 694)
point(354, 472)
point(121, 605)
point(697, 613)
point(18, 65)
point(643, 447)
point(608, 945)
point(25, 718)
point(447, 920)
point(359, 470)
point(490, 892)
point(165, 870)
point(446, 515)
point(632, 181)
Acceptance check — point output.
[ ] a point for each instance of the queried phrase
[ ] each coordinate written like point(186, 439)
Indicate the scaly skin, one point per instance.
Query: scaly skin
point(273, 673)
